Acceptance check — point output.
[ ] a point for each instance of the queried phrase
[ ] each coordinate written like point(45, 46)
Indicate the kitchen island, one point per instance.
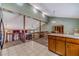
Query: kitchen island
point(63, 44)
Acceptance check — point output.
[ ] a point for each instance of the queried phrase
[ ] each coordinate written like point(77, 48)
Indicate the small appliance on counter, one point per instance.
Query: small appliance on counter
point(76, 32)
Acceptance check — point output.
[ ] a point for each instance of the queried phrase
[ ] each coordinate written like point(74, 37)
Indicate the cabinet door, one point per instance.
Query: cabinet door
point(60, 47)
point(72, 49)
point(51, 44)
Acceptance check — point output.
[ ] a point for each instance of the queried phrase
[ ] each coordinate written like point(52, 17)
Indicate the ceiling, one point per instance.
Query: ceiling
point(59, 9)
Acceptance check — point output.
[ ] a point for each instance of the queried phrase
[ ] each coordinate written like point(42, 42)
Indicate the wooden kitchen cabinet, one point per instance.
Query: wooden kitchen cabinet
point(65, 46)
point(51, 43)
point(72, 49)
point(60, 46)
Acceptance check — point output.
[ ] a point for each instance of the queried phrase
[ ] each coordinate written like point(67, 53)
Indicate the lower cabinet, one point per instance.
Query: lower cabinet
point(60, 47)
point(63, 46)
point(51, 44)
point(72, 49)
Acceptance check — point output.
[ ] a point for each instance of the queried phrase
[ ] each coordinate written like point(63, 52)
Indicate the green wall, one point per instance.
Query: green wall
point(69, 23)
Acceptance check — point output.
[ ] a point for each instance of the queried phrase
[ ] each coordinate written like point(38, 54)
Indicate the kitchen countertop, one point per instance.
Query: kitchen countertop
point(65, 35)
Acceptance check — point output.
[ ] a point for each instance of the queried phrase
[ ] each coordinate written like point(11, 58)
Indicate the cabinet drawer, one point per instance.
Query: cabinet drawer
point(60, 38)
point(51, 37)
point(72, 40)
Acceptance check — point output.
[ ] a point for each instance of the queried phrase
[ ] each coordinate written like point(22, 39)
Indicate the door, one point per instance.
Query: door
point(60, 46)
point(72, 49)
point(51, 43)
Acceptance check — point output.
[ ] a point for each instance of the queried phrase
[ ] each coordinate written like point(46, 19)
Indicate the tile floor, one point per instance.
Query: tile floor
point(12, 43)
point(30, 48)
point(43, 41)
